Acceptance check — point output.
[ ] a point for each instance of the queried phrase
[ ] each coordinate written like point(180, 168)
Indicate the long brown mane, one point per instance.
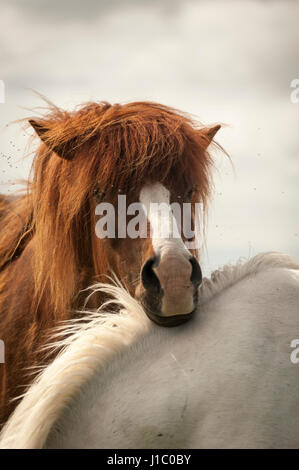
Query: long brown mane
point(48, 251)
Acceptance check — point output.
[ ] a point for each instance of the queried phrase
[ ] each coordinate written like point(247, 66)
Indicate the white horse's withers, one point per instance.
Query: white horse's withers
point(223, 380)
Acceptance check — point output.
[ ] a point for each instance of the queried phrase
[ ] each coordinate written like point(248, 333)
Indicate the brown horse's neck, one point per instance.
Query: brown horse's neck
point(16, 227)
point(27, 315)
point(26, 326)
point(60, 266)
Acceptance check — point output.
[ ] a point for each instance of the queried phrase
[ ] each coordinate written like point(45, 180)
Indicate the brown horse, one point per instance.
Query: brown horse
point(49, 251)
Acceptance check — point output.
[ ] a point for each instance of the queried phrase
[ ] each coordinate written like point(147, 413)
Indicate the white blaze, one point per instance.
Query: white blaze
point(164, 231)
point(174, 269)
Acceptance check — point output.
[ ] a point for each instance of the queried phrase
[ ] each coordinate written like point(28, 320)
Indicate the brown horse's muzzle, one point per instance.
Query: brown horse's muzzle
point(168, 289)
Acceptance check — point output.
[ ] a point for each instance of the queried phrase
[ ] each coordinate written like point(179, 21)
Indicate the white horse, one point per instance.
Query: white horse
point(227, 379)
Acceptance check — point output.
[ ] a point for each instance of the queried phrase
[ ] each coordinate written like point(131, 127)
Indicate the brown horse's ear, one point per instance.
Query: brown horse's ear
point(63, 150)
point(208, 134)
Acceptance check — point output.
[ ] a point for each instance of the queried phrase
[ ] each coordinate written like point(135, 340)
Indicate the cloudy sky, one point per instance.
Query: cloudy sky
point(224, 61)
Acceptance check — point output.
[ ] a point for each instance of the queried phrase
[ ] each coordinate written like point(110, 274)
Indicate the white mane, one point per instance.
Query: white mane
point(229, 275)
point(91, 343)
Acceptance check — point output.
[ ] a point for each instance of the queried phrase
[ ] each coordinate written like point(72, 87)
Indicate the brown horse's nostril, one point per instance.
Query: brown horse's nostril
point(196, 275)
point(149, 279)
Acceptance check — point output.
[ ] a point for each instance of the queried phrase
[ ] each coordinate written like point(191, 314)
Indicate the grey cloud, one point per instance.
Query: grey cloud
point(84, 10)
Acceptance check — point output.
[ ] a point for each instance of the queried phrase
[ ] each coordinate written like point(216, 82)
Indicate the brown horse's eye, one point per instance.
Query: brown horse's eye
point(98, 194)
point(190, 193)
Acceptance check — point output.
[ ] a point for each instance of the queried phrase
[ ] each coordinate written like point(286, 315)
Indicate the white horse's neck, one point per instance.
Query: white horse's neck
point(223, 380)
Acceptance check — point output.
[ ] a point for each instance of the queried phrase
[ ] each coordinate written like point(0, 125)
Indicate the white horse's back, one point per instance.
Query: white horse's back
point(223, 380)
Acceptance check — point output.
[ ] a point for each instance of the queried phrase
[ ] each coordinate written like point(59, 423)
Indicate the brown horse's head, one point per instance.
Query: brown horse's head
point(94, 170)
